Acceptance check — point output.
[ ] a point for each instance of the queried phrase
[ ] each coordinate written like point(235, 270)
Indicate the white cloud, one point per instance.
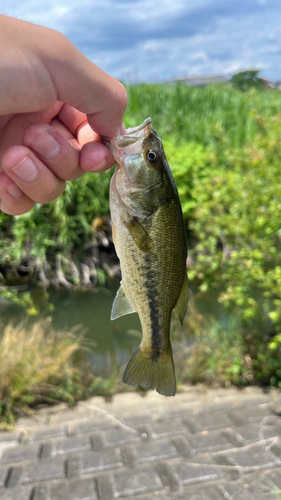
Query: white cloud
point(155, 41)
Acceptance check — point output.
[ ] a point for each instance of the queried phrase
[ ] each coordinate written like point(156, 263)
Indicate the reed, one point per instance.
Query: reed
point(203, 115)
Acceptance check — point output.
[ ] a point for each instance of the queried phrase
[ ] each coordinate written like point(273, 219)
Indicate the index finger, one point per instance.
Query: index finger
point(81, 84)
point(53, 69)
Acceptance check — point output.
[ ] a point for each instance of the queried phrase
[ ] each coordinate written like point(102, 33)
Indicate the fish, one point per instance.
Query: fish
point(149, 235)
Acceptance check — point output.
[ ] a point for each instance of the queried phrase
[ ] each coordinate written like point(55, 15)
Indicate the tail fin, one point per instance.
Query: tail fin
point(153, 372)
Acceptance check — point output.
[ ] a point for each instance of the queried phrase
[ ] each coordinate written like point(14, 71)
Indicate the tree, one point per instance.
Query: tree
point(245, 80)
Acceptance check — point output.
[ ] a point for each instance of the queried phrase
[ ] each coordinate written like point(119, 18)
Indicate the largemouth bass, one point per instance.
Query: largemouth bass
point(150, 241)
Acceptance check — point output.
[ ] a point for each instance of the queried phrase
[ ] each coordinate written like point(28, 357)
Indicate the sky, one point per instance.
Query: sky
point(158, 40)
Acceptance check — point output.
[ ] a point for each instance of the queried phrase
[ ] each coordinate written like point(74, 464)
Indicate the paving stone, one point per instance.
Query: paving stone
point(94, 461)
point(213, 420)
point(204, 469)
point(99, 461)
point(155, 450)
point(194, 448)
point(67, 490)
point(233, 437)
point(253, 457)
point(3, 475)
point(192, 424)
point(249, 414)
point(13, 476)
point(105, 487)
point(179, 412)
point(117, 436)
point(133, 419)
point(19, 493)
point(237, 491)
point(20, 453)
point(49, 433)
point(168, 478)
point(254, 432)
point(31, 423)
point(129, 483)
point(88, 426)
point(129, 455)
point(43, 470)
point(97, 441)
point(182, 445)
point(221, 404)
point(208, 441)
point(68, 416)
point(259, 400)
point(70, 445)
point(6, 437)
point(6, 445)
point(162, 428)
point(275, 447)
point(201, 492)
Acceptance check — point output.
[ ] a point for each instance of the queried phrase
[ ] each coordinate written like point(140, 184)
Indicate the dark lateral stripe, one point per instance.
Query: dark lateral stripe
point(153, 307)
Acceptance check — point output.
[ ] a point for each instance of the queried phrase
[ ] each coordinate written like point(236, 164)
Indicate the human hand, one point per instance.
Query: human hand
point(54, 103)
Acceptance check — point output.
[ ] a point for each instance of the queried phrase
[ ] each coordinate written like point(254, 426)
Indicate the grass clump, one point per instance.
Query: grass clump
point(35, 366)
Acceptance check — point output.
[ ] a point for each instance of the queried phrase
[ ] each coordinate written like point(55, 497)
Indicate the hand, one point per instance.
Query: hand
point(54, 103)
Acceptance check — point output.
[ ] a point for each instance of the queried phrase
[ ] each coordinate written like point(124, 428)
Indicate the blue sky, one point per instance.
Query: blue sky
point(157, 40)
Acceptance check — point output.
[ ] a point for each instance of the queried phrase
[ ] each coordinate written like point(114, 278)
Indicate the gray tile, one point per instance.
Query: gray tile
point(67, 490)
point(136, 482)
point(42, 470)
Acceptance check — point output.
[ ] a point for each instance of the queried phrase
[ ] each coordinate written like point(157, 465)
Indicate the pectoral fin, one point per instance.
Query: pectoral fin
point(140, 235)
point(121, 305)
point(181, 305)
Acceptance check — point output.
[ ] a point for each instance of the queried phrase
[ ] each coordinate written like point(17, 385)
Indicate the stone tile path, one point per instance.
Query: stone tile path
point(201, 445)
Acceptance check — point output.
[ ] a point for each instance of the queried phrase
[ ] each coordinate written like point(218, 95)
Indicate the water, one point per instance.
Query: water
point(115, 341)
point(112, 342)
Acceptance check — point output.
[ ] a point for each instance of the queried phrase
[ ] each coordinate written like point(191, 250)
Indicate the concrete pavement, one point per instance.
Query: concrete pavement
point(204, 444)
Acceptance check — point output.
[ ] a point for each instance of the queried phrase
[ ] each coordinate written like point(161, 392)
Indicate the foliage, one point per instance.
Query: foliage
point(217, 115)
point(219, 354)
point(223, 146)
point(232, 202)
point(246, 80)
point(35, 361)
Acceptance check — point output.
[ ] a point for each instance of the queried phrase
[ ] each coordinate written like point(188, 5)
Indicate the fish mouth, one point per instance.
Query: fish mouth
point(132, 136)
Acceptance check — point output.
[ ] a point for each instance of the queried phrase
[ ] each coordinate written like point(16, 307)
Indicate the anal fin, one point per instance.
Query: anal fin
point(121, 304)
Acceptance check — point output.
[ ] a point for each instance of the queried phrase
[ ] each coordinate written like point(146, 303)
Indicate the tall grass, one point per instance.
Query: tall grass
point(34, 360)
point(202, 115)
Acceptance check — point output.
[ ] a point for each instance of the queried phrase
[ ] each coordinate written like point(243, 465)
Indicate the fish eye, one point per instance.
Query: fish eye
point(152, 156)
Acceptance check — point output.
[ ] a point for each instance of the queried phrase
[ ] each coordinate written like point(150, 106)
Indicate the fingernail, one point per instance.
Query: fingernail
point(123, 130)
point(46, 145)
point(26, 170)
point(14, 191)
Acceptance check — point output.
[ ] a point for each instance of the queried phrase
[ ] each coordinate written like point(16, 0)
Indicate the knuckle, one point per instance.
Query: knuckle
point(121, 96)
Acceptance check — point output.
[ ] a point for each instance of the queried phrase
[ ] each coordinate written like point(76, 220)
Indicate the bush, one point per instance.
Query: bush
point(232, 202)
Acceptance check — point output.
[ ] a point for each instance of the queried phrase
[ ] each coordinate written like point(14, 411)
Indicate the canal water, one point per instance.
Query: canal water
point(112, 343)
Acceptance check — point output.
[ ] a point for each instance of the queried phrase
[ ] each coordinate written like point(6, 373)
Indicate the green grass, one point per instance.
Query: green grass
point(204, 115)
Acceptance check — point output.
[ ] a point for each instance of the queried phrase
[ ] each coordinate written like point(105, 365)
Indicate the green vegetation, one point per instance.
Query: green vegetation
point(223, 146)
point(246, 80)
point(35, 366)
point(40, 365)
